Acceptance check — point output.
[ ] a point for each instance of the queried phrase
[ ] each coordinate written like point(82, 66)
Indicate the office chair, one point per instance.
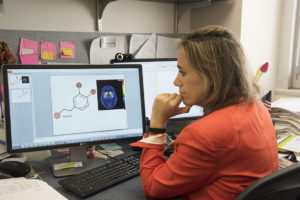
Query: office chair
point(281, 185)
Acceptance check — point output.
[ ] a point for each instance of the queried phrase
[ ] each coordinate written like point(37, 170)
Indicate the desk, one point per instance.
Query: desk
point(130, 189)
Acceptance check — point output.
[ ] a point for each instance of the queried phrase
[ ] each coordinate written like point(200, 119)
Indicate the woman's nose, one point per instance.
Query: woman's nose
point(177, 81)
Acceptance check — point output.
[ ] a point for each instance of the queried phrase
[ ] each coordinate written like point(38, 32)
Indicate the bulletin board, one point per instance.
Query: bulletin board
point(82, 42)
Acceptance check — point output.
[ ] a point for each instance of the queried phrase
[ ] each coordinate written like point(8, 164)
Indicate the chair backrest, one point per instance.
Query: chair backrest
point(281, 185)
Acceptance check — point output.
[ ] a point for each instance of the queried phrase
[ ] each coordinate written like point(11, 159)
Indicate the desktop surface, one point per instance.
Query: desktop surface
point(130, 189)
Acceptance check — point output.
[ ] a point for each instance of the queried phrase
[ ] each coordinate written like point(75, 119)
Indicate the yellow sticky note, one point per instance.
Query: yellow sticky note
point(100, 155)
point(67, 51)
point(63, 150)
point(47, 55)
point(66, 165)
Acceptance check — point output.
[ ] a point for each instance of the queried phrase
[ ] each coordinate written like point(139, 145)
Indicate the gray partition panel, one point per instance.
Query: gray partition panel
point(82, 42)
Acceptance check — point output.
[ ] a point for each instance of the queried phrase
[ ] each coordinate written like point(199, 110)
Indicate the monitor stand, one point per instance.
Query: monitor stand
point(76, 154)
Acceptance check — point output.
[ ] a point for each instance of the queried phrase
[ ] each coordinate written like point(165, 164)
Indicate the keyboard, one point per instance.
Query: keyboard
point(104, 176)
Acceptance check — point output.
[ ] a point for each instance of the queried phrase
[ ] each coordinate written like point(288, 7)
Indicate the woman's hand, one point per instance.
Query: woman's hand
point(166, 106)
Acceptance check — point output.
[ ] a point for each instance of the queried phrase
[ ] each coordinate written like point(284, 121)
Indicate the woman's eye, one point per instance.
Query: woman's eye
point(182, 73)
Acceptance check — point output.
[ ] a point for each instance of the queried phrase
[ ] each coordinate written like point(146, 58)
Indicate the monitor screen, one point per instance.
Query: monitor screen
point(158, 76)
point(54, 106)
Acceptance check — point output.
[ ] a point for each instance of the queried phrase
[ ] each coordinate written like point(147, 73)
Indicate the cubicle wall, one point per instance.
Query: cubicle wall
point(82, 42)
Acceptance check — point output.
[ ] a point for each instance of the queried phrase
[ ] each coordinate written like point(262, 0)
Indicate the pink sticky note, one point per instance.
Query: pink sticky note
point(48, 47)
point(28, 47)
point(29, 59)
point(28, 51)
point(64, 50)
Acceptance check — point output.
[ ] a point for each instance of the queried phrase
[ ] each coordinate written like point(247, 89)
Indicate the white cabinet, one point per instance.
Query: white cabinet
point(180, 7)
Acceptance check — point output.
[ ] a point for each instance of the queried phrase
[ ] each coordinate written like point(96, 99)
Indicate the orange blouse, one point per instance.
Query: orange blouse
point(216, 157)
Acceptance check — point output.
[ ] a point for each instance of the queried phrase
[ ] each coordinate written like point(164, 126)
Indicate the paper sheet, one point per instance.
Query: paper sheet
point(167, 47)
point(103, 55)
point(66, 165)
point(110, 146)
point(111, 153)
point(101, 155)
point(29, 59)
point(28, 47)
point(28, 51)
point(290, 143)
point(148, 50)
point(67, 50)
point(291, 104)
point(21, 188)
point(136, 42)
point(48, 51)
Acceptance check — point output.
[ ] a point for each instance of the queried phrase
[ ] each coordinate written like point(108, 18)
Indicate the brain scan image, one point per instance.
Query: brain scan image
point(108, 97)
point(111, 95)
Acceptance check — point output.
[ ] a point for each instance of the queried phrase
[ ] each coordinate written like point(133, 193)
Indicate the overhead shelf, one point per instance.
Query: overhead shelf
point(181, 6)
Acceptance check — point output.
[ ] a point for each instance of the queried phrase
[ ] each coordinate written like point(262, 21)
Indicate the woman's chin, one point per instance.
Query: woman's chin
point(187, 103)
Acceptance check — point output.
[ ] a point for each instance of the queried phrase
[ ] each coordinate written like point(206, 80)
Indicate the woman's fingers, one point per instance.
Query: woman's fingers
point(182, 110)
point(166, 106)
point(171, 144)
point(178, 99)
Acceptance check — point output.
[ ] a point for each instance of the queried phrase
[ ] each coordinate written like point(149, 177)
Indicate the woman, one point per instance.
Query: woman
point(234, 144)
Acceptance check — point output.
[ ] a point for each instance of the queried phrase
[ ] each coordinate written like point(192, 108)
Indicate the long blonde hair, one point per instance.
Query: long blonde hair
point(219, 59)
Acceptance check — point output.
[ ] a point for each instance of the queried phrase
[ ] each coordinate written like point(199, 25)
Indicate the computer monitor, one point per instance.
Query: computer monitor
point(158, 77)
point(55, 106)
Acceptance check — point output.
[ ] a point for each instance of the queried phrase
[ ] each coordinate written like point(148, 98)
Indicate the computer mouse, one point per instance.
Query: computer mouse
point(2, 176)
point(14, 168)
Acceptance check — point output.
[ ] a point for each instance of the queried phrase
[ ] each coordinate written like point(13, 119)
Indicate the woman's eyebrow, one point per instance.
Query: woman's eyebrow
point(179, 67)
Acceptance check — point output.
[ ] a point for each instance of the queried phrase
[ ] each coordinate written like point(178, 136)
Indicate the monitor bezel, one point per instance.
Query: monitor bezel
point(4, 70)
point(114, 61)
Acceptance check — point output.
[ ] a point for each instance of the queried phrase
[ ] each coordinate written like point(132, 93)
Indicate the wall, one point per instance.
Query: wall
point(49, 15)
point(284, 71)
point(159, 16)
point(138, 17)
point(260, 33)
point(122, 16)
point(226, 13)
point(267, 35)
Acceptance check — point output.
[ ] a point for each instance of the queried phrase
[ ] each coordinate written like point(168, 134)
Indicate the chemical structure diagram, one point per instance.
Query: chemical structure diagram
point(80, 101)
